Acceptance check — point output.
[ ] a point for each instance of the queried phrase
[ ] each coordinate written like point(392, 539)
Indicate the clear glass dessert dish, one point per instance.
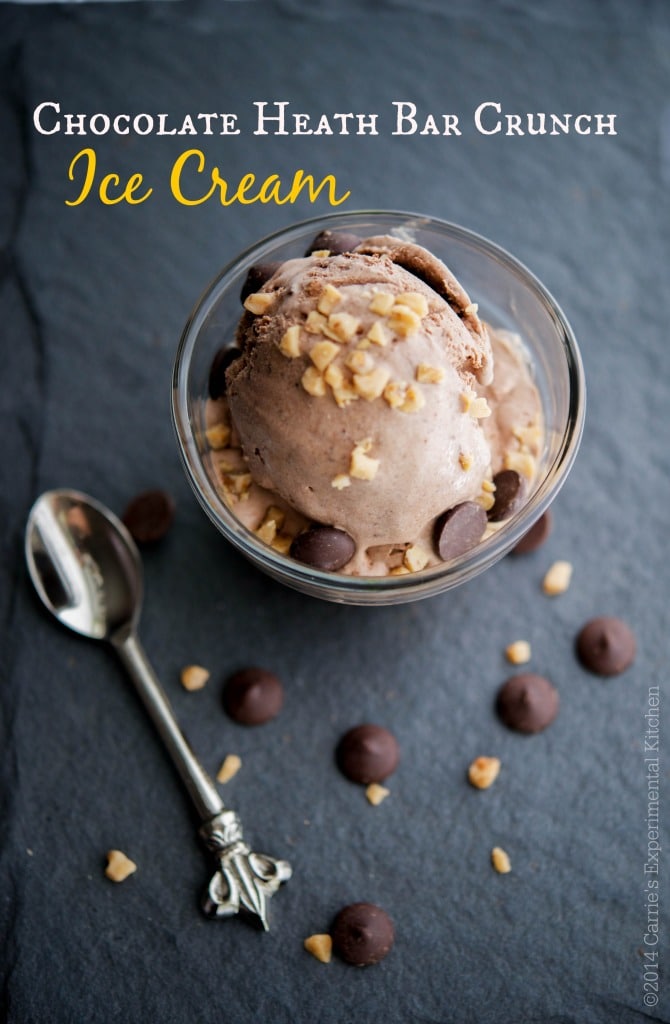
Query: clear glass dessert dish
point(509, 297)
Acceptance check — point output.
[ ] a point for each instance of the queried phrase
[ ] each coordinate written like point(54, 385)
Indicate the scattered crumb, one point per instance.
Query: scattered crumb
point(557, 579)
point(518, 652)
point(119, 866)
point(500, 860)
point(376, 793)
point(230, 767)
point(194, 677)
point(483, 771)
point(320, 946)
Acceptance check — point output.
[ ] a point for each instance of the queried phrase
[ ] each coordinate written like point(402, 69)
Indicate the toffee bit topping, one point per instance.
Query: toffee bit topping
point(394, 393)
point(193, 677)
point(344, 394)
point(518, 652)
point(480, 409)
point(483, 772)
point(521, 462)
point(426, 374)
point(313, 382)
point(341, 326)
point(371, 385)
point(323, 353)
point(340, 481)
point(465, 461)
point(375, 793)
point(328, 299)
point(529, 436)
point(382, 303)
point(403, 321)
point(415, 558)
point(289, 345)
point(414, 399)
point(471, 309)
point(229, 767)
point(361, 466)
point(414, 300)
point(259, 302)
point(500, 860)
point(218, 436)
point(271, 524)
point(119, 867)
point(320, 946)
point(359, 362)
point(282, 543)
point(315, 322)
point(557, 579)
point(378, 334)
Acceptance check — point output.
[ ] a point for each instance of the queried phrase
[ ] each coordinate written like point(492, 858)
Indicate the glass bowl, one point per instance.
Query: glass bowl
point(509, 297)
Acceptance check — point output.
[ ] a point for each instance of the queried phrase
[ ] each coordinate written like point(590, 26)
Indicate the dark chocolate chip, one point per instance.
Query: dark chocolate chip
point(337, 242)
point(510, 494)
point(367, 753)
point(217, 374)
point(323, 547)
point(256, 278)
point(459, 529)
point(253, 696)
point(606, 646)
point(362, 934)
point(536, 536)
point(148, 517)
point(527, 703)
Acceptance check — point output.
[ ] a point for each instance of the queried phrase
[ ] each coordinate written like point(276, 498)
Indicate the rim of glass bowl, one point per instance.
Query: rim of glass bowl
point(372, 589)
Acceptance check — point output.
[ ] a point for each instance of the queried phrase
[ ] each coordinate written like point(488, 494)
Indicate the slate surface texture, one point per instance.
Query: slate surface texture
point(93, 299)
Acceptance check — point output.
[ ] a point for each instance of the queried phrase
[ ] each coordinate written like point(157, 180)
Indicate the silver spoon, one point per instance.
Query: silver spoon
point(87, 571)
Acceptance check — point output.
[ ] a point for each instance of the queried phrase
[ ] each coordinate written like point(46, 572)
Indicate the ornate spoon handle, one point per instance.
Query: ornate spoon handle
point(243, 880)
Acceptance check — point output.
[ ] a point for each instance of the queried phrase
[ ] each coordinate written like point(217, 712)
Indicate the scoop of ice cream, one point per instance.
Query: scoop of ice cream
point(354, 397)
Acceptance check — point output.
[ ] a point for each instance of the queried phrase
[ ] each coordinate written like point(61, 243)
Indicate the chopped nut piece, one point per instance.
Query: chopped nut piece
point(522, 462)
point(479, 408)
point(342, 326)
point(371, 385)
point(323, 353)
point(403, 321)
point(414, 399)
point(320, 946)
point(518, 652)
point(360, 362)
point(119, 866)
point(399, 570)
point(328, 299)
point(395, 393)
point(415, 558)
point(315, 322)
point(488, 486)
point(193, 677)
point(382, 303)
point(530, 436)
point(483, 771)
point(267, 531)
point(259, 302)
point(274, 514)
point(230, 766)
point(344, 395)
point(376, 793)
point(218, 436)
point(363, 344)
point(340, 481)
point(557, 579)
point(289, 345)
point(320, 253)
point(415, 300)
point(378, 334)
point(472, 309)
point(486, 501)
point(500, 860)
point(361, 466)
point(426, 374)
point(313, 382)
point(465, 461)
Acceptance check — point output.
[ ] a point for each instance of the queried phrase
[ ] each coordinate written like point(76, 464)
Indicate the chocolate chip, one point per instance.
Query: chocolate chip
point(536, 536)
point(527, 703)
point(459, 529)
point(256, 278)
point(148, 517)
point(337, 242)
point(510, 494)
point(217, 374)
point(606, 646)
point(323, 547)
point(362, 934)
point(367, 753)
point(253, 696)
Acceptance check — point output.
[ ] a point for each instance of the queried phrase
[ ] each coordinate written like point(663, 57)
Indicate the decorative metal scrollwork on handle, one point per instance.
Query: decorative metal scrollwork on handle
point(244, 880)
